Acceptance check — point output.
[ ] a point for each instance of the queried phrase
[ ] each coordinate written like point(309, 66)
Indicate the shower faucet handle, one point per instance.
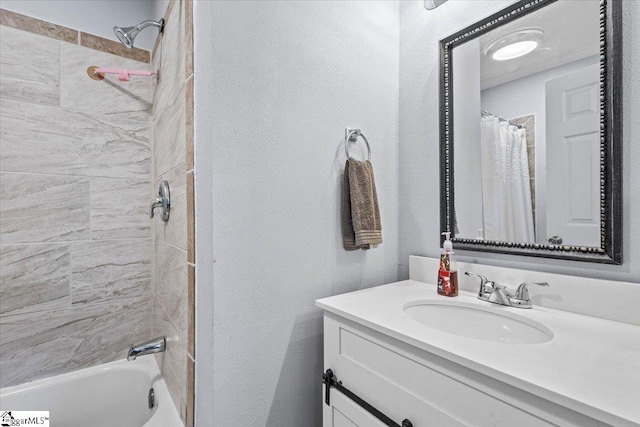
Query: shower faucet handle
point(157, 203)
point(163, 201)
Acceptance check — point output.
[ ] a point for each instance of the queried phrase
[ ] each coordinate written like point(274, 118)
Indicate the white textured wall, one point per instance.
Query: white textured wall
point(420, 32)
point(92, 16)
point(276, 85)
point(467, 156)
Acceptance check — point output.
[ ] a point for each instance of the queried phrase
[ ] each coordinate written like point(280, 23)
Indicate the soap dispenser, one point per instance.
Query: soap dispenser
point(447, 273)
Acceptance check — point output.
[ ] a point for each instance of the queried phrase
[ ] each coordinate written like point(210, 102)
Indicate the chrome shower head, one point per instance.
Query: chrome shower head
point(126, 35)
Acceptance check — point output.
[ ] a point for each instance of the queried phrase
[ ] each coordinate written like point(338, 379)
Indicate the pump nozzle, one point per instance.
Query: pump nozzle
point(447, 245)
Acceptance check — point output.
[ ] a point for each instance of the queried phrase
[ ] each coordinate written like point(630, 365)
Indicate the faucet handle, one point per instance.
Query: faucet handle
point(483, 293)
point(483, 279)
point(522, 292)
point(521, 298)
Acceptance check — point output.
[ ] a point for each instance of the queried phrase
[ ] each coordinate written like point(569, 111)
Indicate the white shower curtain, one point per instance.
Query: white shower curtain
point(506, 193)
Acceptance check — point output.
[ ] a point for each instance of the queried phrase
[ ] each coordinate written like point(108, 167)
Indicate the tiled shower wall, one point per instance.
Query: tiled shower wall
point(173, 161)
point(75, 239)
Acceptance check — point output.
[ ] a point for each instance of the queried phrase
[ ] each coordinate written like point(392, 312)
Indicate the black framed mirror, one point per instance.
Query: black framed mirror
point(531, 128)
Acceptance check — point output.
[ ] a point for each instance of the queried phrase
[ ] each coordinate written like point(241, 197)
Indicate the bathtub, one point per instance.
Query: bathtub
point(113, 394)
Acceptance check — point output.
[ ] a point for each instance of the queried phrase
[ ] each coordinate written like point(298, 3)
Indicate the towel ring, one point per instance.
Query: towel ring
point(351, 135)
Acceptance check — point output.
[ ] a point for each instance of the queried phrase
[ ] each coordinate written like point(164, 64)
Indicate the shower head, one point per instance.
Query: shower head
point(126, 35)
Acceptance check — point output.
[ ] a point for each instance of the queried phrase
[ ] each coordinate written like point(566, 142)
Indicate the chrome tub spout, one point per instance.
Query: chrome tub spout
point(156, 345)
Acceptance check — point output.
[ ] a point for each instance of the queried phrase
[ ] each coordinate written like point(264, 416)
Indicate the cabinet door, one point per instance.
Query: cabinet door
point(404, 382)
point(344, 412)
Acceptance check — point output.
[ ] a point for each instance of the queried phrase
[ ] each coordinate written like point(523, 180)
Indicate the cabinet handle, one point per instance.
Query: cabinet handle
point(329, 381)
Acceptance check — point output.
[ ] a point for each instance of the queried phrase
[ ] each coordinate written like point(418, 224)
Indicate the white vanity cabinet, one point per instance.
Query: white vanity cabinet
point(462, 368)
point(403, 381)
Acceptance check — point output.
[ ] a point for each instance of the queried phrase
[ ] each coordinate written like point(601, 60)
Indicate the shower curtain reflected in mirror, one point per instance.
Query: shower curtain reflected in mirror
point(506, 192)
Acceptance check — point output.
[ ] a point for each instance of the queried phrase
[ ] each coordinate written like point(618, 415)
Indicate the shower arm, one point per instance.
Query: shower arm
point(149, 23)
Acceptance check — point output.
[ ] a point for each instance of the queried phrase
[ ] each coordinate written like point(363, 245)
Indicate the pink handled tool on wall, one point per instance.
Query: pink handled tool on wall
point(97, 73)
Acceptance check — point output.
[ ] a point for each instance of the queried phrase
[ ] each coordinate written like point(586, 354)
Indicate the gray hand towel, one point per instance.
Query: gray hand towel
point(361, 226)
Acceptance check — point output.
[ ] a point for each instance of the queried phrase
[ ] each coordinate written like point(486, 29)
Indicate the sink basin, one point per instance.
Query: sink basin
point(491, 323)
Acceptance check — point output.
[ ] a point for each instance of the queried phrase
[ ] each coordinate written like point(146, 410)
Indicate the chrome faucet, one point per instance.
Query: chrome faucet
point(163, 201)
point(521, 298)
point(156, 345)
point(486, 286)
point(498, 294)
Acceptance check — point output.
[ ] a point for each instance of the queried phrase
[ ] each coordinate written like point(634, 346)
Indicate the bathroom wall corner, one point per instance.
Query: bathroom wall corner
point(173, 161)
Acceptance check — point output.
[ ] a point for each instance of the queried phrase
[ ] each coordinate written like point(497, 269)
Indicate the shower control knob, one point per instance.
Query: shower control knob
point(163, 201)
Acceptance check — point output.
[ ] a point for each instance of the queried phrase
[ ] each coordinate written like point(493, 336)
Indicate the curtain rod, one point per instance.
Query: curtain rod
point(486, 113)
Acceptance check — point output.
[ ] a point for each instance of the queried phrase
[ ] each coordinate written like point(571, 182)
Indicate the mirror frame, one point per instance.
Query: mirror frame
point(610, 249)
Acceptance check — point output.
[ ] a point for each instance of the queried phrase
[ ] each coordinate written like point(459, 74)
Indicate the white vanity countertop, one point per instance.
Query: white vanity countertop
point(591, 365)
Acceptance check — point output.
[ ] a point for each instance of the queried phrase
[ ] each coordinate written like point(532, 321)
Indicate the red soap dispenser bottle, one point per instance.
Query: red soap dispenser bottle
point(447, 273)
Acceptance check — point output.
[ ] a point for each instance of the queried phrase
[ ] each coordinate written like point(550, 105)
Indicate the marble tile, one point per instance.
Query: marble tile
point(191, 402)
point(120, 208)
point(155, 66)
point(171, 284)
point(123, 104)
point(174, 231)
point(34, 277)
point(46, 139)
point(169, 134)
point(37, 26)
point(191, 310)
point(39, 345)
point(29, 67)
point(156, 46)
point(173, 361)
point(110, 269)
point(167, 12)
point(41, 208)
point(170, 58)
point(189, 134)
point(188, 37)
point(191, 219)
point(116, 48)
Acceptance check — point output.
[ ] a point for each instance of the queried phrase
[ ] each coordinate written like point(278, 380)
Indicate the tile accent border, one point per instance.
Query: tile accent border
point(191, 319)
point(188, 39)
point(59, 32)
point(189, 128)
point(191, 223)
point(36, 26)
point(191, 372)
point(113, 47)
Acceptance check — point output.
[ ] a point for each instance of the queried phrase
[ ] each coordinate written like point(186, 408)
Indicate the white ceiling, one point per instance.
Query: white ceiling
point(571, 33)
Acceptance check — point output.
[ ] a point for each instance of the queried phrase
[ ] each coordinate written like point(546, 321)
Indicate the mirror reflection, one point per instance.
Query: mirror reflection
point(526, 99)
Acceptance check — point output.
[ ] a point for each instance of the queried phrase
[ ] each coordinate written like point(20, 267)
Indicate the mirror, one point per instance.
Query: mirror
point(530, 131)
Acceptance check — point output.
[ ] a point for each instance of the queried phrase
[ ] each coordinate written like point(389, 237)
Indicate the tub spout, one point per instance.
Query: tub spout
point(156, 345)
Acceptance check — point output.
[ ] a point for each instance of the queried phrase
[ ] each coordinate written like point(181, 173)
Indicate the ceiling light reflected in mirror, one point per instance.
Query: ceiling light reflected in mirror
point(515, 45)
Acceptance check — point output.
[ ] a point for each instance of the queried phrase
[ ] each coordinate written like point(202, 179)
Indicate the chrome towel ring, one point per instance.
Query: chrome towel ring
point(351, 135)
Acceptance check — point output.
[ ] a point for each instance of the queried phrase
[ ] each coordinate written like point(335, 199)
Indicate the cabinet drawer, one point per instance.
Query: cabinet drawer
point(344, 412)
point(405, 382)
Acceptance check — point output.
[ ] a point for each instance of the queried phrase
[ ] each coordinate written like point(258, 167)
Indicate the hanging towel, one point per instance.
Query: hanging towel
point(361, 226)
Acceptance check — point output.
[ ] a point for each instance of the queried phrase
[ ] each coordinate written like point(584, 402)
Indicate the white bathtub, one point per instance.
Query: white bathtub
point(113, 394)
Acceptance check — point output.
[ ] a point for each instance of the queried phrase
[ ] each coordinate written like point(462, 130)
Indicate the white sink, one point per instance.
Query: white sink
point(492, 323)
